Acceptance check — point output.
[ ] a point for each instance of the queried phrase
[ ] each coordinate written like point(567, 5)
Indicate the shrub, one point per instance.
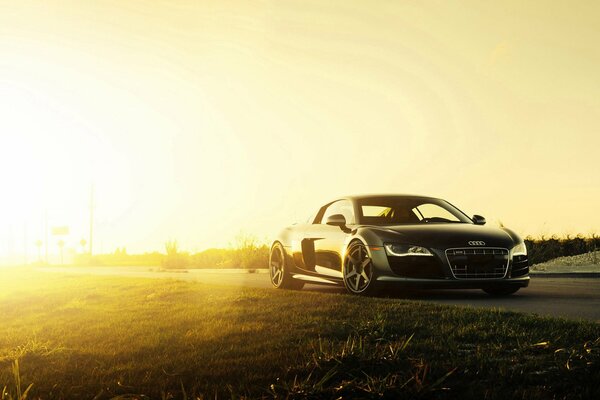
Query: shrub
point(175, 258)
point(542, 249)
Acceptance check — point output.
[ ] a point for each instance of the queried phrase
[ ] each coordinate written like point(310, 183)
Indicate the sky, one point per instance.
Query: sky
point(201, 120)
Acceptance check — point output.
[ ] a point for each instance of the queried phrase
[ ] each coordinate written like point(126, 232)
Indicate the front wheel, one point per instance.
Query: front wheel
point(359, 274)
point(279, 271)
point(501, 290)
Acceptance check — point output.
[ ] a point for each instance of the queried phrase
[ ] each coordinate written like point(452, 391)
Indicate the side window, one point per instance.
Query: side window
point(347, 211)
point(343, 207)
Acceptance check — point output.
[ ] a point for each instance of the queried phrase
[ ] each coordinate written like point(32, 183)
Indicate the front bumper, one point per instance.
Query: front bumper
point(450, 283)
point(435, 272)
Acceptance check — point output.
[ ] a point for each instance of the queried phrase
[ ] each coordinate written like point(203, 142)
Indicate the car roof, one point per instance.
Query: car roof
point(372, 196)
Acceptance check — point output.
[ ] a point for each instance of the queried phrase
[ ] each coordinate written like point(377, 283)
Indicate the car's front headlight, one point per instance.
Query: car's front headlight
point(403, 250)
point(519, 250)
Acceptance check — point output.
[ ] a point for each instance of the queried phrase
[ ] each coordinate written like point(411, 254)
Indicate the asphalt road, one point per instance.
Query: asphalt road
point(569, 297)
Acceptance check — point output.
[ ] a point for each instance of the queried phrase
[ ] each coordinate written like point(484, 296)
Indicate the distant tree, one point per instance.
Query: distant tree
point(120, 252)
point(249, 252)
point(82, 243)
point(172, 247)
point(175, 258)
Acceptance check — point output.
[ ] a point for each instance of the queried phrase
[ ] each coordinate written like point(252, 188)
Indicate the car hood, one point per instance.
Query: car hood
point(447, 235)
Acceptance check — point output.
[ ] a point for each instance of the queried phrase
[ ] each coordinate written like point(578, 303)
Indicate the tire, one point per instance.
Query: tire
point(358, 271)
point(279, 270)
point(501, 290)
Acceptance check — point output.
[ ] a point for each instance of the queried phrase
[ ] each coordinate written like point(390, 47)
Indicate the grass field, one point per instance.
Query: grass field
point(96, 337)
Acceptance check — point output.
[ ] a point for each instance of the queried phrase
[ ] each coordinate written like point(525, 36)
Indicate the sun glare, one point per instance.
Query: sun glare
point(241, 124)
point(49, 160)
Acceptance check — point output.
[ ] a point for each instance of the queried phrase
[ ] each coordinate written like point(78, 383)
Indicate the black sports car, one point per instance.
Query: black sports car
point(367, 242)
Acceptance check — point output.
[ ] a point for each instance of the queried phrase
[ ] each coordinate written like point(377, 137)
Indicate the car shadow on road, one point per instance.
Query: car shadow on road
point(430, 294)
point(458, 294)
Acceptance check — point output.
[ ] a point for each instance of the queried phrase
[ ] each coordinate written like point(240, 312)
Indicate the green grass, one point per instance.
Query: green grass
point(99, 337)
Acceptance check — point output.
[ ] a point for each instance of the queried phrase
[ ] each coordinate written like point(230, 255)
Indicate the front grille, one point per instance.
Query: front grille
point(417, 267)
point(478, 263)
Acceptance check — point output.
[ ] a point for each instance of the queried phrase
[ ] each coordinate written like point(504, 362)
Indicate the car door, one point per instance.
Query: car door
point(324, 244)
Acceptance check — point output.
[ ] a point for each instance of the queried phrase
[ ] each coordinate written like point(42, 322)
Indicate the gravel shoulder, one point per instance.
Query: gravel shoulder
point(582, 263)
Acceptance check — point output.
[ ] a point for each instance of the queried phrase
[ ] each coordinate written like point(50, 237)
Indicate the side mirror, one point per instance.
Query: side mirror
point(336, 220)
point(478, 220)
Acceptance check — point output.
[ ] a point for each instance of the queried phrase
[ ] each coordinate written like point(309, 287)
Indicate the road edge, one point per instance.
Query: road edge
point(565, 274)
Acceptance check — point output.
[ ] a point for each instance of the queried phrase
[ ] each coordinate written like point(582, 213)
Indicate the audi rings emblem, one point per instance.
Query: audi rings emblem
point(476, 243)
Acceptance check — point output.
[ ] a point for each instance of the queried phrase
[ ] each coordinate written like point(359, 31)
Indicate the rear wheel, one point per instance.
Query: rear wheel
point(359, 274)
point(501, 290)
point(279, 271)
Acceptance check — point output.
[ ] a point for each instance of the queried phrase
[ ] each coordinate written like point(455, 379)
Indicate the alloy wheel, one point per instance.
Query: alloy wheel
point(358, 269)
point(276, 266)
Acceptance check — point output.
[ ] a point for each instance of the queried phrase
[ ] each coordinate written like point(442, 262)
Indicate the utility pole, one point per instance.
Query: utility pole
point(91, 217)
point(38, 244)
point(25, 244)
point(46, 235)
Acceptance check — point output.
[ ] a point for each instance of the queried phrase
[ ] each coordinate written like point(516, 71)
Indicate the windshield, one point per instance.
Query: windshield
point(395, 210)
